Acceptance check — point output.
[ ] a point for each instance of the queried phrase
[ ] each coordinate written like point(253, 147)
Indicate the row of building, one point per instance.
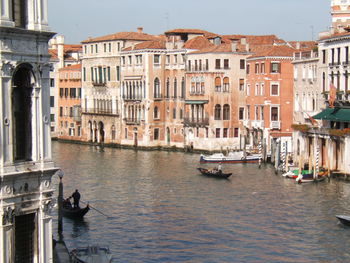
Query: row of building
point(195, 89)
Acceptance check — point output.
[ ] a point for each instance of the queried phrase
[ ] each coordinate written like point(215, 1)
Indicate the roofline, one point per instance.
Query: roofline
point(270, 57)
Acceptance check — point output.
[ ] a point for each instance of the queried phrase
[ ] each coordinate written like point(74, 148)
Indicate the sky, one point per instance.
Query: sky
point(290, 20)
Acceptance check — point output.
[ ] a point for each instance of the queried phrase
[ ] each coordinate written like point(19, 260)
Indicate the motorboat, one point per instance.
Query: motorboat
point(344, 219)
point(231, 157)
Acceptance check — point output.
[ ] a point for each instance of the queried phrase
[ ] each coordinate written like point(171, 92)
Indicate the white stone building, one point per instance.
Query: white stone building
point(26, 167)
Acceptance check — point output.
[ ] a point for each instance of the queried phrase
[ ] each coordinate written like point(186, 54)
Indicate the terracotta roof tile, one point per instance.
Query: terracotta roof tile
point(255, 40)
point(273, 51)
point(72, 67)
point(147, 45)
point(123, 36)
point(199, 42)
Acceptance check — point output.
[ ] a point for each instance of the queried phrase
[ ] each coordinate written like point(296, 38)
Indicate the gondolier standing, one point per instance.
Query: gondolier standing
point(76, 198)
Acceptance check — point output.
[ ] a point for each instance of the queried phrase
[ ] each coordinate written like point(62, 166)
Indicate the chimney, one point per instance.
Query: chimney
point(140, 30)
point(247, 48)
point(298, 45)
point(243, 40)
point(60, 50)
point(234, 45)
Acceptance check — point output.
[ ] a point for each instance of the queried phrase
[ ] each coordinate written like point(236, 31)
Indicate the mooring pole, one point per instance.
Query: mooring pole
point(60, 204)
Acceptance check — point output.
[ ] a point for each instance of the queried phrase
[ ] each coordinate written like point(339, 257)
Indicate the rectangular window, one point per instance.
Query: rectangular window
point(200, 65)
point(256, 68)
point(126, 133)
point(274, 114)
point(130, 60)
point(242, 64)
point(156, 59)
point(217, 132)
point(217, 64)
point(189, 66)
point(118, 73)
point(174, 113)
point(52, 117)
point(96, 48)
point(73, 93)
point(92, 74)
point(324, 56)
point(52, 101)
point(84, 74)
point(61, 111)
point(167, 59)
point(61, 92)
point(207, 64)
point(226, 64)
point(110, 47)
point(108, 73)
point(79, 93)
point(236, 131)
point(156, 134)
point(225, 134)
point(275, 67)
point(262, 68)
point(241, 84)
point(105, 47)
point(66, 92)
point(248, 68)
point(274, 89)
point(195, 65)
point(123, 61)
point(70, 111)
point(241, 113)
point(52, 83)
point(175, 59)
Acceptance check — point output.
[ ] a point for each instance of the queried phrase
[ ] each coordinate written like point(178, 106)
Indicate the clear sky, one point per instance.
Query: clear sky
point(288, 19)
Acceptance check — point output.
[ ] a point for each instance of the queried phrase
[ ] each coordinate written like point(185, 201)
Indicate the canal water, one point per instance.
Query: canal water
point(161, 210)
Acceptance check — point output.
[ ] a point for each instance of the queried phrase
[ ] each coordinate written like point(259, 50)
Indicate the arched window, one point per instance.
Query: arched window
point(226, 85)
point(167, 88)
point(175, 88)
point(226, 112)
point(217, 84)
point(23, 81)
point(155, 113)
point(217, 113)
point(156, 88)
point(113, 132)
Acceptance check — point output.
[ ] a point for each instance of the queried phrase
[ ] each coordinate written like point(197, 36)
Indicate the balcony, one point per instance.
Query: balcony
point(132, 121)
point(258, 124)
point(275, 125)
point(99, 84)
point(95, 111)
point(132, 98)
point(194, 122)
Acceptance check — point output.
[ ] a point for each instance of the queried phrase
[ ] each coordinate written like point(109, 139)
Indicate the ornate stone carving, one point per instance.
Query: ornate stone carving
point(8, 216)
point(7, 68)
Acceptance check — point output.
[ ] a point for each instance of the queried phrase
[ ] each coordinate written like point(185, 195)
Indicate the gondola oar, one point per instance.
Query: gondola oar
point(96, 209)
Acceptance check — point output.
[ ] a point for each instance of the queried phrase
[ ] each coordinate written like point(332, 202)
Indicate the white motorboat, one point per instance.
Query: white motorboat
point(232, 157)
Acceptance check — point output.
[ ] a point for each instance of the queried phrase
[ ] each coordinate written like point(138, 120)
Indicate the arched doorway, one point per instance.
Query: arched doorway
point(91, 131)
point(21, 99)
point(101, 132)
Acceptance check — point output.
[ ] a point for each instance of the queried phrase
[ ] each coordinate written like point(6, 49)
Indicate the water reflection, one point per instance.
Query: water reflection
point(162, 210)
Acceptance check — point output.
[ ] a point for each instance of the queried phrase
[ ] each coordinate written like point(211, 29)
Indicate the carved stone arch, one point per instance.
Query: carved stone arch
point(23, 83)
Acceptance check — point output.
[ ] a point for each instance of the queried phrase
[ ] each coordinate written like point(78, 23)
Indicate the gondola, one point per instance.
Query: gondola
point(69, 211)
point(214, 173)
point(344, 219)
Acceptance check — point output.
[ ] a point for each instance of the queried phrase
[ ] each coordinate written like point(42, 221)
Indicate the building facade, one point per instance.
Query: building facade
point(25, 160)
point(69, 103)
point(269, 98)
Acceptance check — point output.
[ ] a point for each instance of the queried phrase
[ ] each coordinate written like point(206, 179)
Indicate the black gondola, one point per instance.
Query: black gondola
point(344, 219)
point(69, 211)
point(214, 173)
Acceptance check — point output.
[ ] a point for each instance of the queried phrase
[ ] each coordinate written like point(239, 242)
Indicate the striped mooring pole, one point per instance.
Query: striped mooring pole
point(283, 156)
point(260, 153)
point(317, 160)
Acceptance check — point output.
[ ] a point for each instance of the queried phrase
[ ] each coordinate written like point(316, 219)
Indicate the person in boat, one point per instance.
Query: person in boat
point(76, 198)
point(219, 168)
point(67, 203)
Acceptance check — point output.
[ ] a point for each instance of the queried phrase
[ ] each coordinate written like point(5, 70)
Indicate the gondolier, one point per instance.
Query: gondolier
point(76, 198)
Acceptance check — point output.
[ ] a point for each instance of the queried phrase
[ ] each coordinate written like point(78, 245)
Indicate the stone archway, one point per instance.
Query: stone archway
point(23, 82)
point(101, 132)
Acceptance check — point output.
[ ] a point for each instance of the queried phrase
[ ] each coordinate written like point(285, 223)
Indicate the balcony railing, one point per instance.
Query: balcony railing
point(132, 121)
point(132, 98)
point(188, 121)
point(275, 125)
point(95, 111)
point(258, 124)
point(98, 84)
point(246, 123)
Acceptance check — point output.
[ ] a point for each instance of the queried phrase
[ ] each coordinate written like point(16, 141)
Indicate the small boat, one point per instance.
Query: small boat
point(214, 173)
point(308, 177)
point(91, 254)
point(344, 219)
point(232, 157)
point(69, 211)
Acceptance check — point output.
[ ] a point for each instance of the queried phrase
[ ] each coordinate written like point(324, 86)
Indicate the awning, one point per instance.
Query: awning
point(196, 101)
point(336, 114)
